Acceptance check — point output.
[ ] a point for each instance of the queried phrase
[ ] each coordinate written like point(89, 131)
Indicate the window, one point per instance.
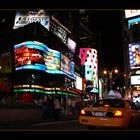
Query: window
point(111, 102)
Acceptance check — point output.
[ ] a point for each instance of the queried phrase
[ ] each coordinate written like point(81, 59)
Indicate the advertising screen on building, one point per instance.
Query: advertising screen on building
point(24, 17)
point(37, 56)
point(135, 80)
point(71, 45)
point(134, 55)
point(90, 60)
point(133, 21)
point(132, 13)
point(67, 65)
point(78, 82)
point(59, 30)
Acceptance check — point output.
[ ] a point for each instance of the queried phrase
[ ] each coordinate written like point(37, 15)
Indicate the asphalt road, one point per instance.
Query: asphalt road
point(69, 125)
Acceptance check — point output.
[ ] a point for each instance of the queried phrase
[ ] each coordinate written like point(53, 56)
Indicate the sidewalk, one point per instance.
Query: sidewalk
point(61, 118)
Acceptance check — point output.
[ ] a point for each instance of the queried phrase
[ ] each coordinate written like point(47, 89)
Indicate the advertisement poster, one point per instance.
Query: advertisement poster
point(134, 55)
point(67, 65)
point(24, 17)
point(35, 55)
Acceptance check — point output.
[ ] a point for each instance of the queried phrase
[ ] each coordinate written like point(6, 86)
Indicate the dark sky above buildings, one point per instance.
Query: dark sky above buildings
point(109, 24)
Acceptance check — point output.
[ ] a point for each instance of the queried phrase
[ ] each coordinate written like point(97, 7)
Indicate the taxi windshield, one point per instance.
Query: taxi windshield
point(110, 102)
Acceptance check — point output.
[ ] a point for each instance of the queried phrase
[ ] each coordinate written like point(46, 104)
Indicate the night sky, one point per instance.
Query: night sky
point(108, 23)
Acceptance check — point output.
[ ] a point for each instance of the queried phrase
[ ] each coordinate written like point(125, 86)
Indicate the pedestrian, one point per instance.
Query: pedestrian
point(57, 108)
point(45, 110)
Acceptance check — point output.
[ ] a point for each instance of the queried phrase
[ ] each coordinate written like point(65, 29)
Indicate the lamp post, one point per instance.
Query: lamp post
point(114, 70)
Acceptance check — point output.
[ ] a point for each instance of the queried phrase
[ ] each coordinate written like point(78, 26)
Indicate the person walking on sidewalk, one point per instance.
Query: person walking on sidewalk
point(57, 108)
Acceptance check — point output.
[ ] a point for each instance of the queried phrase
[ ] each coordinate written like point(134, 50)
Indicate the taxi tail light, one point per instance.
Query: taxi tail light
point(82, 112)
point(118, 113)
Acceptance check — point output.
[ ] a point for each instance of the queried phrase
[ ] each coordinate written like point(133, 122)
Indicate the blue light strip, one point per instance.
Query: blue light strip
point(130, 21)
point(43, 68)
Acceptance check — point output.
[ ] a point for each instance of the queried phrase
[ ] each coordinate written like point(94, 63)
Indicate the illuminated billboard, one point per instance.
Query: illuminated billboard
point(71, 45)
point(135, 80)
point(78, 82)
point(134, 55)
point(24, 17)
point(132, 13)
point(67, 65)
point(36, 55)
point(133, 21)
point(89, 59)
point(59, 30)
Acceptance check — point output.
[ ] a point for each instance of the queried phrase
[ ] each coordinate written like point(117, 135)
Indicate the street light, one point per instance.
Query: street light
point(114, 70)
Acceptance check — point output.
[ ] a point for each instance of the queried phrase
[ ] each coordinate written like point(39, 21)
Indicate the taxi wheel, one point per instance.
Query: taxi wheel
point(91, 127)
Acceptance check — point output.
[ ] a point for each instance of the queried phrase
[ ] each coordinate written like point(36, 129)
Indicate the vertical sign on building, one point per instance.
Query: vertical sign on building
point(90, 61)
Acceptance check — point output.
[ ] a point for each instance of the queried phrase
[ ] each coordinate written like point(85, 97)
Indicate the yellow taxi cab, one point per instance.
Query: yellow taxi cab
point(110, 112)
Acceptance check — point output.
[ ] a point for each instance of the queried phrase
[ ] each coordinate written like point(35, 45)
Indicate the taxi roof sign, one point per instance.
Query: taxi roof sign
point(114, 94)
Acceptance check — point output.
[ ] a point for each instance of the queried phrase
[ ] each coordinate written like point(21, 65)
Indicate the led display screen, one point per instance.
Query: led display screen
point(136, 99)
point(24, 17)
point(134, 55)
point(133, 21)
point(135, 80)
point(36, 55)
point(67, 65)
point(58, 29)
point(90, 61)
point(78, 82)
point(71, 45)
